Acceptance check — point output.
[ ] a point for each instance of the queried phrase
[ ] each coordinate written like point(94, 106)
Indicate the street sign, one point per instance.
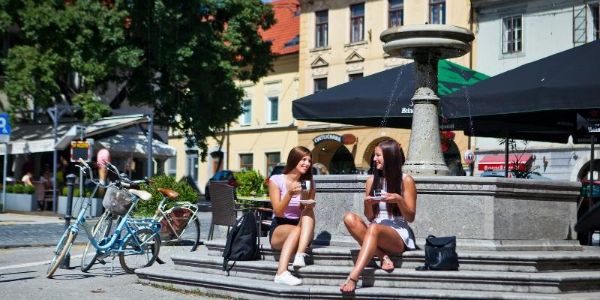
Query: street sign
point(4, 128)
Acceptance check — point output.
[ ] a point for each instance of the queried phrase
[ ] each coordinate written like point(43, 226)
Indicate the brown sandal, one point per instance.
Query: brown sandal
point(387, 264)
point(347, 282)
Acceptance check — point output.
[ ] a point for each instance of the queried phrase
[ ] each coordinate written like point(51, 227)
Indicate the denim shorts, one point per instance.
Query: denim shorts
point(281, 221)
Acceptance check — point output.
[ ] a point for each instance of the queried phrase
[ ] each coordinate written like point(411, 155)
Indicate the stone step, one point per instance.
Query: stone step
point(513, 261)
point(253, 288)
point(521, 282)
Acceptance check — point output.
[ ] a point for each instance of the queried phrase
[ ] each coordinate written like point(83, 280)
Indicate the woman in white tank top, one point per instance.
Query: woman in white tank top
point(390, 203)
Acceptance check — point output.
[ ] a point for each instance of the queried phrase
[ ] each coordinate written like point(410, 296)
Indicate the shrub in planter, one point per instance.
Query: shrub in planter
point(76, 193)
point(29, 189)
point(9, 188)
point(18, 189)
point(249, 183)
point(147, 208)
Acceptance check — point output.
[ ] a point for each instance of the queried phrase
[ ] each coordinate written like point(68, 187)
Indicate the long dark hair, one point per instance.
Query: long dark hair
point(295, 156)
point(393, 159)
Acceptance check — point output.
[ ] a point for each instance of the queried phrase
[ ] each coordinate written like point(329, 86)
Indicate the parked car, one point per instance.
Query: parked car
point(223, 175)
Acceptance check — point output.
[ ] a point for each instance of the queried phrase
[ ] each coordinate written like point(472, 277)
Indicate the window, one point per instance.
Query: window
point(246, 118)
point(273, 158)
point(172, 166)
point(596, 19)
point(395, 13)
point(437, 11)
point(192, 165)
point(512, 34)
point(354, 76)
point(357, 23)
point(246, 161)
point(273, 109)
point(321, 29)
point(320, 84)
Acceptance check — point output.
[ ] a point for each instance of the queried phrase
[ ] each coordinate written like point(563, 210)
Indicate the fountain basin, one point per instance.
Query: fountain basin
point(483, 213)
point(440, 41)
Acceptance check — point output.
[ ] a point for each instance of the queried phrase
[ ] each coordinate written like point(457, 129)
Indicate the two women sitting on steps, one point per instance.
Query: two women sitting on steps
point(389, 204)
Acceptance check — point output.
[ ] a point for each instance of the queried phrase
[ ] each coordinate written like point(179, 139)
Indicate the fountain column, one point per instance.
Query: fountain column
point(426, 44)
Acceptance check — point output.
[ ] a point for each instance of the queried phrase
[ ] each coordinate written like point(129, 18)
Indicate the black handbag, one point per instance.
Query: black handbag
point(440, 254)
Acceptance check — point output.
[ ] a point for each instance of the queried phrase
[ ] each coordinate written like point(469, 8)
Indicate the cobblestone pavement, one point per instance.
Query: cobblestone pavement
point(30, 231)
point(22, 276)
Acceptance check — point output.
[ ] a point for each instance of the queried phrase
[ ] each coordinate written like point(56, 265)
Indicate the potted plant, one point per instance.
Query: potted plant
point(94, 211)
point(19, 197)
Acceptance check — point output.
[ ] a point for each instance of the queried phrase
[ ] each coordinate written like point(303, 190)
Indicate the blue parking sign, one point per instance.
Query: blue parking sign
point(4, 124)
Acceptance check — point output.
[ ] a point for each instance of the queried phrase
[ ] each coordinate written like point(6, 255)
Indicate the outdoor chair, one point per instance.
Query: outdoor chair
point(225, 208)
point(42, 196)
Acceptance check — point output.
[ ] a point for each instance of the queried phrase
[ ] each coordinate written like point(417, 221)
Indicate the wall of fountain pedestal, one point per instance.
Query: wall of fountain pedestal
point(483, 213)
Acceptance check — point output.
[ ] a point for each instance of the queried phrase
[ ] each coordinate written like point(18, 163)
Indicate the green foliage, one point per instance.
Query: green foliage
point(18, 188)
point(180, 57)
point(249, 183)
point(186, 193)
point(65, 190)
point(57, 40)
point(28, 189)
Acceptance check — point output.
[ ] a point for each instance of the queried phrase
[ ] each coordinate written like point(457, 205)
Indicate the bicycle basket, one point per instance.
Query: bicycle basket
point(116, 201)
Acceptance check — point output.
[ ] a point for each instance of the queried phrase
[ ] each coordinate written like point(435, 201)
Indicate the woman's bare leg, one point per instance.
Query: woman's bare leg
point(307, 229)
point(358, 229)
point(377, 236)
point(285, 238)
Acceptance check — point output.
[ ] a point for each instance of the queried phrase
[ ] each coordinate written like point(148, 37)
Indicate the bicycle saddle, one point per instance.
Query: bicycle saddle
point(145, 196)
point(171, 194)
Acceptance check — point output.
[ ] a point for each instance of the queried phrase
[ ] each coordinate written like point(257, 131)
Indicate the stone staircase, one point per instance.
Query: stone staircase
point(482, 275)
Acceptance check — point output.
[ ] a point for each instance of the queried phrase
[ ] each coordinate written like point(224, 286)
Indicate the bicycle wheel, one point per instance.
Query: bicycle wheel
point(196, 233)
point(63, 247)
point(99, 232)
point(140, 250)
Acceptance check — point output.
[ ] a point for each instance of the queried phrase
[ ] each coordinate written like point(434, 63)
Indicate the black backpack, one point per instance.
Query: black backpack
point(242, 241)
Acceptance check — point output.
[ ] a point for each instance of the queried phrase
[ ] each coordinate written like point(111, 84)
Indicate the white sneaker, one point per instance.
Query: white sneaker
point(299, 260)
point(287, 278)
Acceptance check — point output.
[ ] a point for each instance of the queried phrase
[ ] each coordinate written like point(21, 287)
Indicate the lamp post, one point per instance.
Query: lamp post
point(56, 113)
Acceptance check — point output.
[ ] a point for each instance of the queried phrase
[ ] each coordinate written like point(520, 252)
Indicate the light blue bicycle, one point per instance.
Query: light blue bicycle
point(135, 241)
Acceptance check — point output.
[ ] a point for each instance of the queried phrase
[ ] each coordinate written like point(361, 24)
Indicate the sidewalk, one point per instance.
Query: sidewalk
point(10, 218)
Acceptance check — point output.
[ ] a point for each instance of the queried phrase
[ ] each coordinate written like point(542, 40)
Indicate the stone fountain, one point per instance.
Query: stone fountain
point(426, 44)
point(484, 213)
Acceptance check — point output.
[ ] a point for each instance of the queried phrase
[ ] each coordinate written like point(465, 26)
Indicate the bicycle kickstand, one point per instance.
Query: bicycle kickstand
point(160, 261)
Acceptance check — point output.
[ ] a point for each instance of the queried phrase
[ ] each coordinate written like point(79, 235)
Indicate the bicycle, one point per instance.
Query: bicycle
point(135, 239)
point(176, 220)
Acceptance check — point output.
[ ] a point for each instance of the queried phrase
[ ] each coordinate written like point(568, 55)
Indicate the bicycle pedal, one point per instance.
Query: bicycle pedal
point(102, 261)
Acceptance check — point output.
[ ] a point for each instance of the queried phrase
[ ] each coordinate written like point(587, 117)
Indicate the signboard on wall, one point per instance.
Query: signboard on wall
point(327, 137)
point(81, 149)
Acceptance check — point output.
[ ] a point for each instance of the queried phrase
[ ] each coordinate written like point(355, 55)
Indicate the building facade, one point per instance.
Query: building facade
point(512, 33)
point(339, 42)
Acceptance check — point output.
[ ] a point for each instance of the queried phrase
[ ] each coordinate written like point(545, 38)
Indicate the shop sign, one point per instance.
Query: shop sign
point(327, 137)
point(81, 149)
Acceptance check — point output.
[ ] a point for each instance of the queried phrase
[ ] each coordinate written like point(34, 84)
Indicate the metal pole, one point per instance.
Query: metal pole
point(81, 194)
point(56, 115)
point(4, 177)
point(150, 135)
point(70, 183)
point(506, 157)
point(591, 184)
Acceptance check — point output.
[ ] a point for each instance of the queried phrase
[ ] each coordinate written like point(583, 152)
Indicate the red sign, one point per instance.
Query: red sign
point(349, 139)
point(497, 162)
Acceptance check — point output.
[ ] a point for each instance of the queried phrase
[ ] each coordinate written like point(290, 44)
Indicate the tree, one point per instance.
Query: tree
point(63, 52)
point(180, 57)
point(193, 52)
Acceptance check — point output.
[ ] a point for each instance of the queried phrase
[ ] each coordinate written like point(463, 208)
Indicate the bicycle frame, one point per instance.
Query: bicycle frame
point(115, 239)
point(161, 213)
